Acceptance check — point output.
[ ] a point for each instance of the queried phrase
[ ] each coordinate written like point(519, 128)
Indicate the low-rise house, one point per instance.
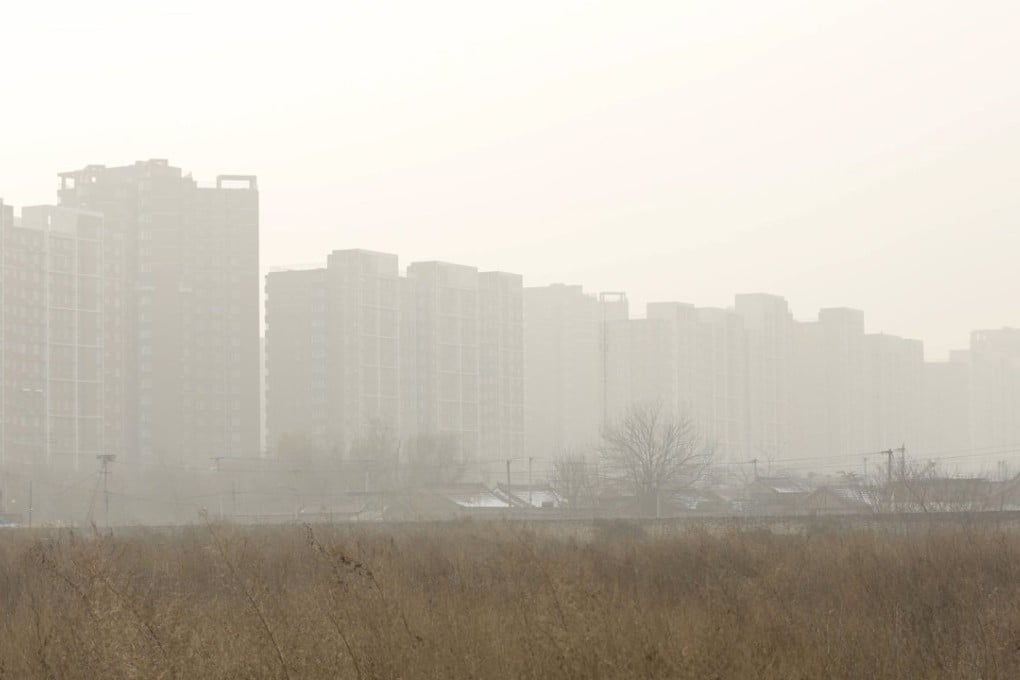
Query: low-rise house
point(773, 496)
point(697, 502)
point(10, 519)
point(1004, 496)
point(352, 508)
point(450, 501)
point(536, 496)
point(841, 500)
point(938, 494)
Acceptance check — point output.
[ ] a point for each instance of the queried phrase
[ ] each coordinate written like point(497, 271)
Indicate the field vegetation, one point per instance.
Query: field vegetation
point(497, 600)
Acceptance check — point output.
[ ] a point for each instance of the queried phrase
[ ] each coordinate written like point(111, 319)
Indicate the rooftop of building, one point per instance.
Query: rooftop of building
point(153, 166)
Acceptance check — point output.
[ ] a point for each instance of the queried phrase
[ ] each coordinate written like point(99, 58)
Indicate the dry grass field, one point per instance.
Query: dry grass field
point(490, 600)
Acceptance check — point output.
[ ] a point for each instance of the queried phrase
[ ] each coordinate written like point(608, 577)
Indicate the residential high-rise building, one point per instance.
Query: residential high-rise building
point(437, 354)
point(720, 377)
point(946, 410)
point(52, 376)
point(827, 387)
point(995, 365)
point(182, 263)
point(501, 364)
point(639, 365)
point(769, 329)
point(335, 365)
point(297, 342)
point(363, 331)
point(683, 320)
point(447, 364)
point(893, 375)
point(562, 384)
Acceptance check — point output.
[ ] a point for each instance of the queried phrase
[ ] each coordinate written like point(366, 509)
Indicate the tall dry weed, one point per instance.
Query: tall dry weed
point(489, 600)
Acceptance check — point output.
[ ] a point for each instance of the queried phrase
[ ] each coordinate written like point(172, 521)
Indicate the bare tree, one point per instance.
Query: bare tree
point(433, 459)
point(575, 480)
point(651, 450)
point(377, 453)
point(922, 486)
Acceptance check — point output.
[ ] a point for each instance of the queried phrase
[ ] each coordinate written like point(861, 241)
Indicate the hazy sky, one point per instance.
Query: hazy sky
point(857, 153)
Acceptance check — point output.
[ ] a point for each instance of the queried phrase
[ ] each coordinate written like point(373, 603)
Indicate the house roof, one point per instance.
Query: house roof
point(851, 495)
point(472, 496)
point(341, 506)
point(539, 495)
point(694, 499)
point(783, 485)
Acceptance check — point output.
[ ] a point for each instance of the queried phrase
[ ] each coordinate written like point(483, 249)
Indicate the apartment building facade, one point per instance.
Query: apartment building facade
point(995, 399)
point(52, 377)
point(437, 353)
point(562, 386)
point(181, 263)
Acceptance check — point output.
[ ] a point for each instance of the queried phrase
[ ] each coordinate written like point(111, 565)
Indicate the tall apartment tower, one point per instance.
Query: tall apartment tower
point(683, 319)
point(447, 366)
point(501, 364)
point(363, 358)
point(183, 261)
point(52, 377)
point(827, 396)
point(297, 342)
point(893, 377)
point(333, 351)
point(769, 328)
point(469, 359)
point(995, 366)
point(438, 353)
point(562, 384)
point(947, 394)
point(708, 372)
point(640, 366)
point(721, 382)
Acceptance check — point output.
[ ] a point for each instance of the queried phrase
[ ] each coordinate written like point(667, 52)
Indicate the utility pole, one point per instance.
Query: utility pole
point(219, 485)
point(865, 469)
point(104, 468)
point(531, 486)
point(754, 464)
point(509, 502)
point(604, 348)
point(902, 450)
point(30, 504)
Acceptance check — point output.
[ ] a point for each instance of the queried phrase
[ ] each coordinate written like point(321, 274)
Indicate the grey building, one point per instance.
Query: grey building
point(52, 377)
point(828, 383)
point(562, 385)
point(893, 379)
point(501, 364)
point(436, 354)
point(296, 346)
point(995, 374)
point(769, 331)
point(181, 262)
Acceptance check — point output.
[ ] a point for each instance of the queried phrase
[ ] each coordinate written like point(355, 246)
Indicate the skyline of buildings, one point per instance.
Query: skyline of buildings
point(762, 386)
point(142, 292)
point(129, 326)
